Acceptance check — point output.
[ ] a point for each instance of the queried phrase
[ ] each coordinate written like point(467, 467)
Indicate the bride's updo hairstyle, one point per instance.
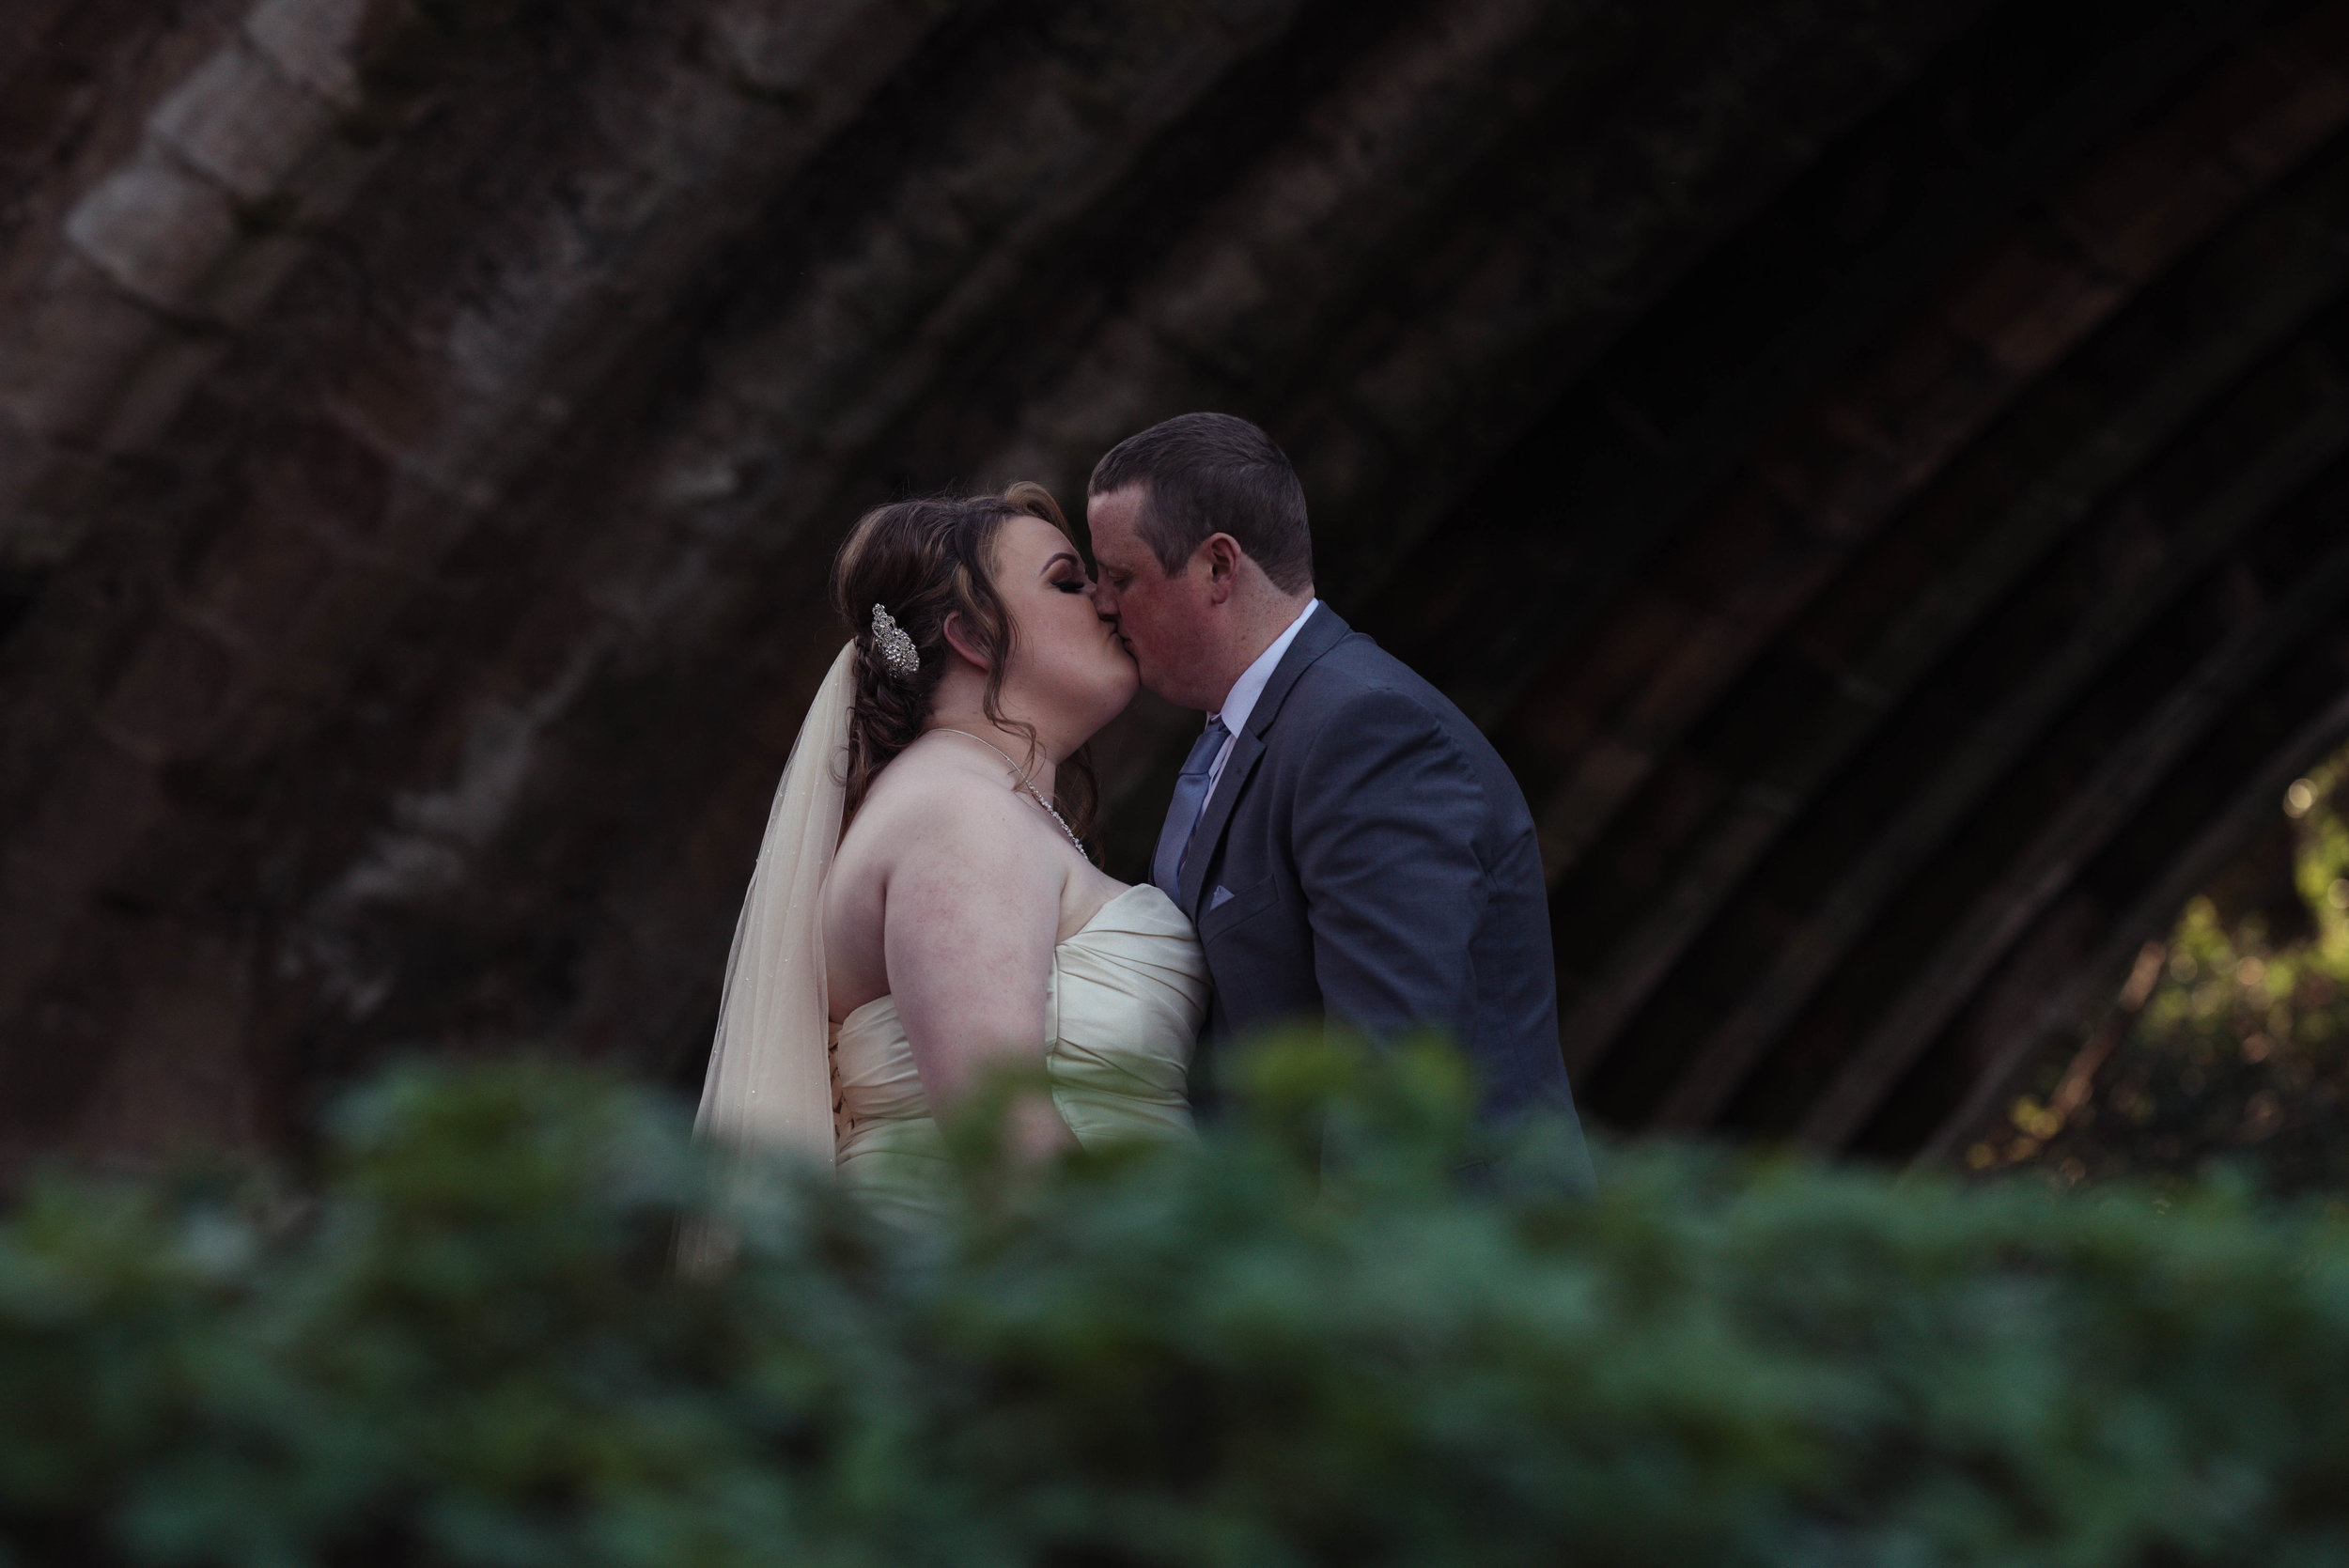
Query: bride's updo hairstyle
point(924, 561)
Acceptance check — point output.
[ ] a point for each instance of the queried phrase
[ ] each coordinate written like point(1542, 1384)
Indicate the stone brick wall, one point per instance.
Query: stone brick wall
point(425, 428)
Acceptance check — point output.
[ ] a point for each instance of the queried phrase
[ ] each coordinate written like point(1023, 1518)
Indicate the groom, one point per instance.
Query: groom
point(1346, 841)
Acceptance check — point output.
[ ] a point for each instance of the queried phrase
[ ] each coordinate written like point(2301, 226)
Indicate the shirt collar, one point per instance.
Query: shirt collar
point(1240, 701)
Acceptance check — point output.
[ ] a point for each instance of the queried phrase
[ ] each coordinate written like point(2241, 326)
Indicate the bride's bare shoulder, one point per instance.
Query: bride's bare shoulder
point(923, 799)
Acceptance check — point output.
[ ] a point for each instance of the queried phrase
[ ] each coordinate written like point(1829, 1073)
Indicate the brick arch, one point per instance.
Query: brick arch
point(1871, 469)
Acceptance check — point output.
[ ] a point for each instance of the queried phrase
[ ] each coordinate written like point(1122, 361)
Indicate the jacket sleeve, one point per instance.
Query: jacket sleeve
point(1386, 814)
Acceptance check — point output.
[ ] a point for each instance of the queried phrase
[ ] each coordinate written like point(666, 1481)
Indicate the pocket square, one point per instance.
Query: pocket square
point(1222, 896)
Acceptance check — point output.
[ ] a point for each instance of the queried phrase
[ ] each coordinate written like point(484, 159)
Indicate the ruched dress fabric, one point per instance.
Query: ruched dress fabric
point(1123, 1006)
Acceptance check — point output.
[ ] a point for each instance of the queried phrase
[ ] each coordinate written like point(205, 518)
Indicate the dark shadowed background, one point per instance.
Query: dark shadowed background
point(1876, 470)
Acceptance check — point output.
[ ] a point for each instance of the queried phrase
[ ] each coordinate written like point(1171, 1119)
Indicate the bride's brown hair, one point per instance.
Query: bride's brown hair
point(924, 561)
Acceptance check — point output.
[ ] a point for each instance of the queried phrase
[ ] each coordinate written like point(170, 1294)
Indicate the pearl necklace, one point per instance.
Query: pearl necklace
point(1022, 779)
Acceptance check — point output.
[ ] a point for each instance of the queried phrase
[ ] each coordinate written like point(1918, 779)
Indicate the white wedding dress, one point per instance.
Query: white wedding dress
point(1121, 1009)
point(1123, 1006)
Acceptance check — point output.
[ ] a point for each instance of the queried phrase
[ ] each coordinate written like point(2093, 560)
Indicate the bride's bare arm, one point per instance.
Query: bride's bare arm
point(970, 910)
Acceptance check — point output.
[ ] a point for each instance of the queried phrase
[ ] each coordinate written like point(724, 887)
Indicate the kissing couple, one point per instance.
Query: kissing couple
point(1343, 843)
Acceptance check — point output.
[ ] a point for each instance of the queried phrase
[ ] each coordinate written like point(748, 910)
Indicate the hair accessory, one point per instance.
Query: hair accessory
point(897, 649)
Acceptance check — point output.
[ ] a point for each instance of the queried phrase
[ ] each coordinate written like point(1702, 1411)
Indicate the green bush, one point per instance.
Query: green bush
point(1307, 1343)
point(2230, 1045)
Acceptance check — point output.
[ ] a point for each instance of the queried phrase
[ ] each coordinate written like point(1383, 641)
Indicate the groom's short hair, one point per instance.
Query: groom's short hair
point(1204, 473)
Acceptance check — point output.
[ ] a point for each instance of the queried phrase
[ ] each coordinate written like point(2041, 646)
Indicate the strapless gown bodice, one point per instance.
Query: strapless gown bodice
point(1122, 1010)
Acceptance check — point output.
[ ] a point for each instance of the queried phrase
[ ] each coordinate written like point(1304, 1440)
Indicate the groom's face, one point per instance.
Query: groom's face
point(1164, 620)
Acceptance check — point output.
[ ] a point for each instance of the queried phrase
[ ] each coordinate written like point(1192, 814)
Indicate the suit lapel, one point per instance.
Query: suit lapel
point(1316, 637)
point(1313, 639)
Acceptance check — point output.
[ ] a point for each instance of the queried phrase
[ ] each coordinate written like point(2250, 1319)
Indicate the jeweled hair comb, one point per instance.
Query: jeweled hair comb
point(897, 649)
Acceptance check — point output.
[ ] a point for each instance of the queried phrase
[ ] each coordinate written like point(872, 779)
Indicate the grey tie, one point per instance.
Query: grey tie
point(1182, 813)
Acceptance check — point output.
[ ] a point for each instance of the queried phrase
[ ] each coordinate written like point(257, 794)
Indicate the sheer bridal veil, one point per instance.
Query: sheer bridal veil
point(769, 1080)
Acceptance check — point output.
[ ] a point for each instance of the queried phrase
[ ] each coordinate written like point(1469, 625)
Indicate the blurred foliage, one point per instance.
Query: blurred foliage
point(2231, 1046)
point(468, 1341)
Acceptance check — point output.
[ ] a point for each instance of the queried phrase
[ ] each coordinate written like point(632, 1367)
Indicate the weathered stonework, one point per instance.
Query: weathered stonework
point(1865, 464)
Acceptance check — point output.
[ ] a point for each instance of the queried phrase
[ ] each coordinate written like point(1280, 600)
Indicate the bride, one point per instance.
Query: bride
point(957, 923)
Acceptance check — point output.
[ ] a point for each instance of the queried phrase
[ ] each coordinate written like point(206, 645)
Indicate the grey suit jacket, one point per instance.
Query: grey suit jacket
point(1367, 857)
